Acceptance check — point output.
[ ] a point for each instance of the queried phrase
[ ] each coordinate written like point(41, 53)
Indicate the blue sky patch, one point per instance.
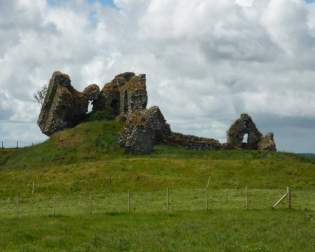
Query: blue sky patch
point(104, 2)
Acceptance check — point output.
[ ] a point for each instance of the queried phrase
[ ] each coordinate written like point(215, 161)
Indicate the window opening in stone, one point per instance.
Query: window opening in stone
point(90, 107)
point(245, 139)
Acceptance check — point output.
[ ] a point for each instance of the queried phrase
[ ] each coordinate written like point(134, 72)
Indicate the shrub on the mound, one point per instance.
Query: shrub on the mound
point(100, 115)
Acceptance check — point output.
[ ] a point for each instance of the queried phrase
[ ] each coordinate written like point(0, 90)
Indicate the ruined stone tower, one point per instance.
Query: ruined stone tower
point(65, 107)
point(125, 94)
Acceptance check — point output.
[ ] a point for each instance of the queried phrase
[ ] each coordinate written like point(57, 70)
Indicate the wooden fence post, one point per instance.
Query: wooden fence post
point(246, 197)
point(91, 203)
point(33, 187)
point(134, 202)
point(128, 201)
point(207, 205)
point(18, 206)
point(289, 197)
point(17, 144)
point(167, 199)
point(2, 145)
point(53, 206)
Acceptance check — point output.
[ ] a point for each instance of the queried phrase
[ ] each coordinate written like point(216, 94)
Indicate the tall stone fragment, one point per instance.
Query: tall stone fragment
point(63, 107)
point(156, 121)
point(148, 125)
point(133, 95)
point(125, 94)
point(244, 126)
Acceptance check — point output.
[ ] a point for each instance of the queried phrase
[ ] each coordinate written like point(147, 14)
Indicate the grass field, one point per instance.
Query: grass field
point(223, 230)
point(71, 194)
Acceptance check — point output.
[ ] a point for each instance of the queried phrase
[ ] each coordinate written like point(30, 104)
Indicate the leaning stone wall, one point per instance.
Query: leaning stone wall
point(63, 107)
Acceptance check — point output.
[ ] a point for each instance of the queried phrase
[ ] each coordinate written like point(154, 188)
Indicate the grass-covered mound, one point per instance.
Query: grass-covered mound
point(82, 158)
point(92, 140)
point(71, 193)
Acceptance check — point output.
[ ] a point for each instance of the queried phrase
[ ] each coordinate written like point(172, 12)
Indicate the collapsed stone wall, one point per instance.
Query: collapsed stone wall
point(193, 142)
point(126, 98)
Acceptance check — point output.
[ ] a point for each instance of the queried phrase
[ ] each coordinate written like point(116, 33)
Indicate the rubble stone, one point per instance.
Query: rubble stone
point(267, 143)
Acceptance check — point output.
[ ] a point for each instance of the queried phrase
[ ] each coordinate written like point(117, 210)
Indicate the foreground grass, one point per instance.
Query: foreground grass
point(223, 230)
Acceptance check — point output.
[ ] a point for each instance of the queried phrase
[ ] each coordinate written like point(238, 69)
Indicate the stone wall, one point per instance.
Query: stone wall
point(255, 139)
point(125, 94)
point(63, 107)
point(144, 129)
point(193, 142)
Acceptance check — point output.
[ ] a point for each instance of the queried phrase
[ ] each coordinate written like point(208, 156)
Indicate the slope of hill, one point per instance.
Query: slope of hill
point(71, 194)
point(82, 158)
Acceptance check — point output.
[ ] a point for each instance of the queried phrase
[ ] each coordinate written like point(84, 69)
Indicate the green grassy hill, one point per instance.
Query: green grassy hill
point(71, 194)
point(81, 159)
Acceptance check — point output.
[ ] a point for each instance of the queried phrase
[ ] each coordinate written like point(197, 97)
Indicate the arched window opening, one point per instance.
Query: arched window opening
point(90, 107)
point(245, 139)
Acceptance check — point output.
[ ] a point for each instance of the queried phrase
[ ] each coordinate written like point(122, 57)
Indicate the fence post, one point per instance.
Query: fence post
point(246, 197)
point(128, 201)
point(54, 206)
point(2, 145)
point(289, 197)
point(91, 204)
point(17, 144)
point(18, 206)
point(167, 199)
point(33, 187)
point(206, 194)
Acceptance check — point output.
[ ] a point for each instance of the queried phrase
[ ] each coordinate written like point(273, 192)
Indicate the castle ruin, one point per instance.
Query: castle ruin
point(125, 97)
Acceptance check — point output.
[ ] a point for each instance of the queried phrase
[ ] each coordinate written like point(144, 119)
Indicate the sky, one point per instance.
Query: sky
point(207, 61)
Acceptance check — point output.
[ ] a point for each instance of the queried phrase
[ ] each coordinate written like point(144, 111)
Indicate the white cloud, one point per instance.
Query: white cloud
point(206, 61)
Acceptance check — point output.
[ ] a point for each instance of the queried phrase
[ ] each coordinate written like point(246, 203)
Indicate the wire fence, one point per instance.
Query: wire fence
point(168, 200)
point(17, 144)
